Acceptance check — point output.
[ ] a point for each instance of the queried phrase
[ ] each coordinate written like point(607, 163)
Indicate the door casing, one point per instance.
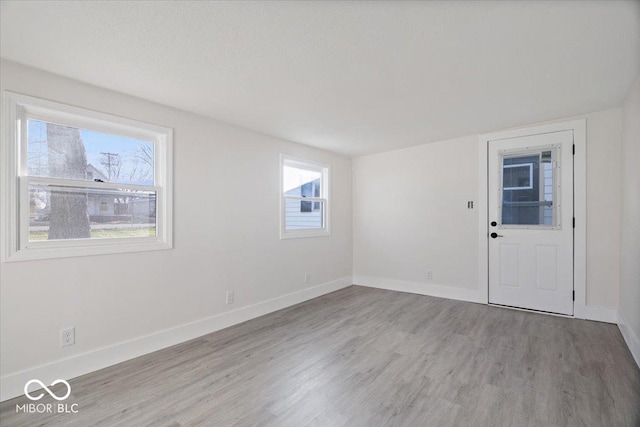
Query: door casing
point(579, 200)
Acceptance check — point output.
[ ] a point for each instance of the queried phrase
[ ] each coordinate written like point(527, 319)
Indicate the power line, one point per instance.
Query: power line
point(108, 162)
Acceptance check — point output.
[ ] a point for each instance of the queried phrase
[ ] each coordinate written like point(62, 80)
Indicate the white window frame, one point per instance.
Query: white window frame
point(14, 180)
point(325, 170)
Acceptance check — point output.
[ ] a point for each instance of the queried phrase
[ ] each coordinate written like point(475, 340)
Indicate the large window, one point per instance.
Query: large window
point(78, 182)
point(304, 198)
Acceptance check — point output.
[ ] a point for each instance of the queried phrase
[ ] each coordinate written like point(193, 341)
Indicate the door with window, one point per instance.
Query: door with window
point(531, 222)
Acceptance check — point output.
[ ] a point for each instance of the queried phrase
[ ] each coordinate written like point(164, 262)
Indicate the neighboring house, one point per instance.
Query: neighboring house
point(116, 206)
point(100, 205)
point(103, 206)
point(95, 173)
point(303, 214)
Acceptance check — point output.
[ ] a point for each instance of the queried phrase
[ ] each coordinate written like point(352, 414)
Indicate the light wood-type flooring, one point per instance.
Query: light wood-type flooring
point(370, 357)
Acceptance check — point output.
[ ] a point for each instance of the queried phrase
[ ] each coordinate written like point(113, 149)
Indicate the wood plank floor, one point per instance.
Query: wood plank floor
point(370, 357)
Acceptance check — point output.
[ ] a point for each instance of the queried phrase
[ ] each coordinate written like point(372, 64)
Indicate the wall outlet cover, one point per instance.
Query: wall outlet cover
point(67, 337)
point(230, 297)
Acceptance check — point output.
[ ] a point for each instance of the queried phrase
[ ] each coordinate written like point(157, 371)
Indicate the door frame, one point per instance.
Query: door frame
point(579, 128)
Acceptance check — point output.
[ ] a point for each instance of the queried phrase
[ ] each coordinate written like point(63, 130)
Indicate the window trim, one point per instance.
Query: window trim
point(14, 245)
point(325, 170)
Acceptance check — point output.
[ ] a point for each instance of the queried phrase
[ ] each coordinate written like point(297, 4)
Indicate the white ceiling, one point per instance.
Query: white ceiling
point(352, 77)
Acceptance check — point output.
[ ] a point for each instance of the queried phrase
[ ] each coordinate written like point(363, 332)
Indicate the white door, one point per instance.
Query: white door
point(531, 222)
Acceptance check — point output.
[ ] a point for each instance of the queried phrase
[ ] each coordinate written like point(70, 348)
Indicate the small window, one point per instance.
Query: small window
point(529, 181)
point(304, 198)
point(87, 183)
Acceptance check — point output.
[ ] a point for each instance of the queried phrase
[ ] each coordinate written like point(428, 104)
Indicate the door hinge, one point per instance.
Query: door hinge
point(574, 149)
point(574, 222)
point(574, 295)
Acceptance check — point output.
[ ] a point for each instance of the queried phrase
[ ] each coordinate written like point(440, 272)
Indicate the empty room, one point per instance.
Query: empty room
point(320, 213)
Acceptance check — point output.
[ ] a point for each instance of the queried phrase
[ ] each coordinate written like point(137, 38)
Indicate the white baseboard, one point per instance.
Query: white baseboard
point(632, 340)
point(461, 294)
point(590, 312)
point(12, 385)
point(599, 314)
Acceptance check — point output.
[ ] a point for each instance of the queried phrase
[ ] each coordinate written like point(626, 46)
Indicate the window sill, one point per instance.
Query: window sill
point(303, 234)
point(42, 253)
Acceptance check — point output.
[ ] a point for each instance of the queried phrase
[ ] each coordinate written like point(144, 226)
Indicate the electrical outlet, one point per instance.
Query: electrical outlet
point(429, 275)
point(307, 278)
point(67, 337)
point(230, 297)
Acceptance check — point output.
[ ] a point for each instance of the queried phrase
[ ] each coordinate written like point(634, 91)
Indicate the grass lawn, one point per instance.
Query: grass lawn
point(103, 234)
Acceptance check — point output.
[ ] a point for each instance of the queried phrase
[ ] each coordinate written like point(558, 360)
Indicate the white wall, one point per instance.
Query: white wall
point(226, 225)
point(603, 208)
point(630, 221)
point(410, 216)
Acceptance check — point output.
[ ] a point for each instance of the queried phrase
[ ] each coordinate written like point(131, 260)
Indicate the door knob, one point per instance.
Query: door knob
point(494, 235)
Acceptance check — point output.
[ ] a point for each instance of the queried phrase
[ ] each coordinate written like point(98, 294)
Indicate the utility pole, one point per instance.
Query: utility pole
point(108, 162)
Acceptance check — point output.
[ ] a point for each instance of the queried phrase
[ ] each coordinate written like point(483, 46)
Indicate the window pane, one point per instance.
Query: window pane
point(306, 206)
point(57, 151)
point(301, 182)
point(517, 176)
point(59, 213)
point(300, 214)
point(527, 189)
